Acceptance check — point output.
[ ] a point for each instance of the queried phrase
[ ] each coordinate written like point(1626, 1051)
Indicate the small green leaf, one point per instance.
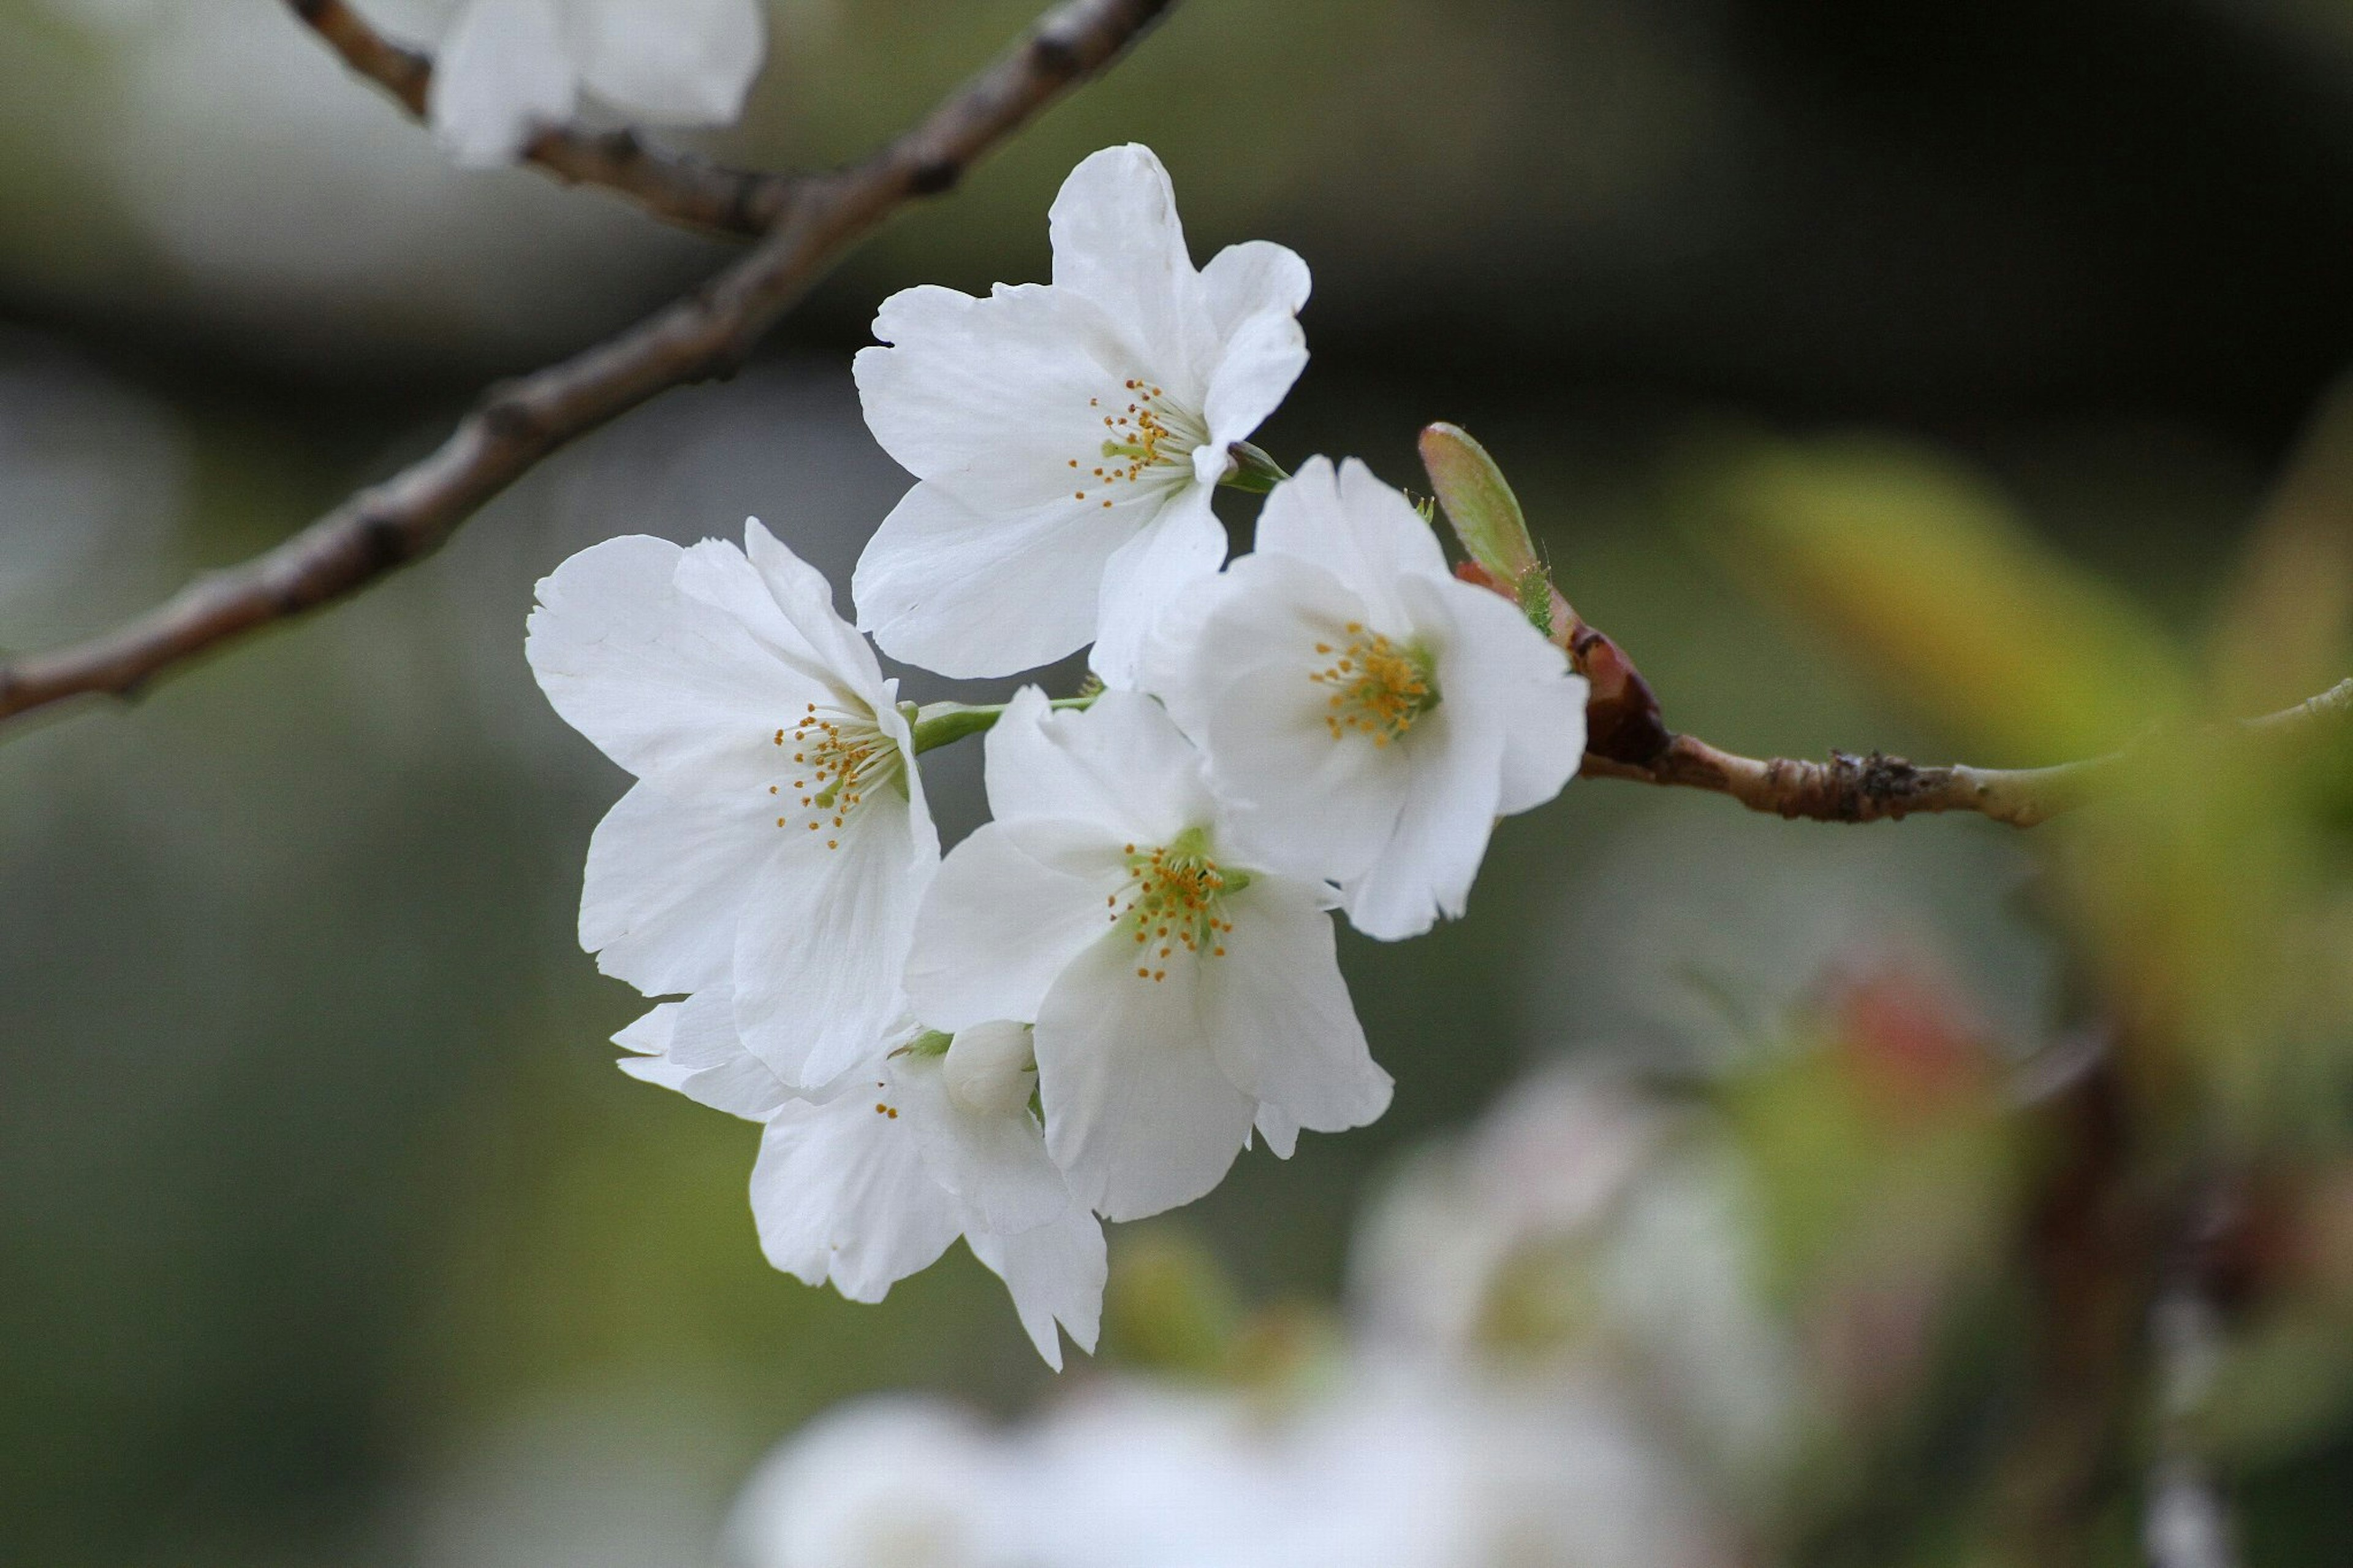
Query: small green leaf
point(1480, 504)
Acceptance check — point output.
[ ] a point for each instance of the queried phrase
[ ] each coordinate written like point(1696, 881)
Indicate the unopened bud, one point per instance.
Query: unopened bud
point(990, 1069)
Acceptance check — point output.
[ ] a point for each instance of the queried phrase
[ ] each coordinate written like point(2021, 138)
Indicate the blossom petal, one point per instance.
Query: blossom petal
point(1055, 1272)
point(682, 62)
point(1358, 529)
point(1427, 868)
point(1137, 1112)
point(666, 684)
point(787, 607)
point(664, 882)
point(1119, 243)
point(973, 594)
point(1428, 865)
point(1278, 1013)
point(1121, 765)
point(999, 922)
point(1002, 401)
point(693, 1048)
point(1278, 1128)
point(1300, 800)
point(818, 953)
point(1261, 360)
point(996, 1165)
point(1255, 278)
point(841, 1192)
point(502, 70)
point(1498, 653)
point(1183, 545)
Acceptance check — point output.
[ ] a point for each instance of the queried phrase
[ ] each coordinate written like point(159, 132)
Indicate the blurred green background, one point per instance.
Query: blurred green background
point(330, 1236)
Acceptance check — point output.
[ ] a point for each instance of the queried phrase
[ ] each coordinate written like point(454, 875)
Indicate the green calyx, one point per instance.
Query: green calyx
point(930, 1043)
point(1250, 469)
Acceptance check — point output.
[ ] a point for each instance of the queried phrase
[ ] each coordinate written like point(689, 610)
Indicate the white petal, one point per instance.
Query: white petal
point(1055, 1272)
point(1253, 279)
point(665, 684)
point(841, 1192)
point(696, 1051)
point(972, 595)
point(665, 881)
point(672, 62)
point(1183, 544)
point(1004, 401)
point(1121, 765)
point(1300, 800)
point(1278, 1128)
point(1355, 527)
point(818, 953)
point(1119, 243)
point(995, 1164)
point(1001, 921)
point(1276, 1007)
point(1427, 867)
point(503, 70)
point(893, 1481)
point(1443, 825)
point(1260, 362)
point(1542, 702)
point(786, 606)
point(1174, 664)
point(1137, 1112)
point(990, 1069)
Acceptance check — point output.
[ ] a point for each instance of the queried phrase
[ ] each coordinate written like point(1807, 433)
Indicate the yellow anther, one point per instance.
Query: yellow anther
point(1377, 688)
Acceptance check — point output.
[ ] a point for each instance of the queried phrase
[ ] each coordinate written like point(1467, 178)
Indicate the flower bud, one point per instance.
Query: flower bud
point(990, 1069)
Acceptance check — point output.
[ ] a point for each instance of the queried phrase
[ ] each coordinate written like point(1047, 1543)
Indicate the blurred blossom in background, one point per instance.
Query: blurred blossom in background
point(1952, 383)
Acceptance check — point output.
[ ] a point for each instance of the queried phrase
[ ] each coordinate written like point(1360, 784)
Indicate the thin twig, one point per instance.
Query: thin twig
point(1877, 788)
point(684, 190)
point(706, 333)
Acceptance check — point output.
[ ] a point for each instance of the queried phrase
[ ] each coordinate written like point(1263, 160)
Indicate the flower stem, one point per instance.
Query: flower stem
point(938, 723)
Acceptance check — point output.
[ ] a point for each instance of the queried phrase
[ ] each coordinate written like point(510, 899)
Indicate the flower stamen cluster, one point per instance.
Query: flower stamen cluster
point(1378, 687)
point(1151, 433)
point(840, 759)
point(1175, 898)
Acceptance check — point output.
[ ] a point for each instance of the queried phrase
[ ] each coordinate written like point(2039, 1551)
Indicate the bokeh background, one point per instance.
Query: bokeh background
point(328, 1233)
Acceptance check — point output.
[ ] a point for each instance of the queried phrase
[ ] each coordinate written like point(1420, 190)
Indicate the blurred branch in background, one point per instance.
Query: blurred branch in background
point(681, 189)
point(706, 333)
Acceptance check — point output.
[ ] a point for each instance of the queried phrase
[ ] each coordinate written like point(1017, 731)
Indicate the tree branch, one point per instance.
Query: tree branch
point(1626, 737)
point(706, 333)
point(1882, 788)
point(684, 190)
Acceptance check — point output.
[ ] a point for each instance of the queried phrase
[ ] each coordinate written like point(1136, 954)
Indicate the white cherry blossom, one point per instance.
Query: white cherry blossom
point(1367, 715)
point(933, 1138)
point(1068, 436)
point(889, 1481)
point(506, 67)
point(777, 839)
point(1179, 995)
